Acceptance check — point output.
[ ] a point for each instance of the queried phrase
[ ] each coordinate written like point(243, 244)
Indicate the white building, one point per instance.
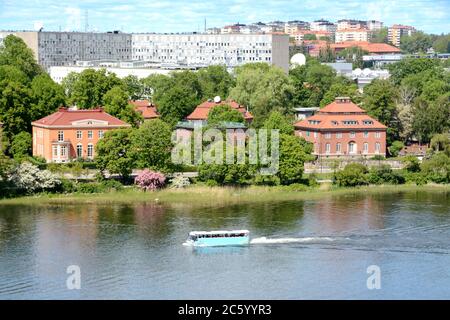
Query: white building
point(200, 50)
point(65, 48)
point(374, 25)
point(346, 24)
point(323, 25)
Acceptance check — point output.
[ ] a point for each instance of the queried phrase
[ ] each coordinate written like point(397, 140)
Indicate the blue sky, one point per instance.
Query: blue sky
point(183, 16)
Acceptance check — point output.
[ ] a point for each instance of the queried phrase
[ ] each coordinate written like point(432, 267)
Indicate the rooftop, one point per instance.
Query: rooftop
point(201, 111)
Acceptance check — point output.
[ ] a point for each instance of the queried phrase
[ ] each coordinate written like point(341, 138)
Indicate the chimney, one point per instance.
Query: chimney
point(343, 100)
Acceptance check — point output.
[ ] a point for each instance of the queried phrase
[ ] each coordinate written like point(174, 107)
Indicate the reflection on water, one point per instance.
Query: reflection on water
point(299, 249)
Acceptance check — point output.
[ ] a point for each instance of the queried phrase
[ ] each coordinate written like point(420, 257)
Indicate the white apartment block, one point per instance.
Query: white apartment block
point(200, 50)
point(346, 24)
point(323, 25)
point(374, 25)
point(352, 35)
point(65, 48)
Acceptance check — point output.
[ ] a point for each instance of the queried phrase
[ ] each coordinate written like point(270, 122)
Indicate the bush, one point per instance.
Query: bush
point(437, 168)
point(28, 178)
point(417, 178)
point(90, 187)
point(395, 148)
point(411, 163)
point(354, 174)
point(384, 174)
point(180, 182)
point(224, 174)
point(378, 157)
point(150, 180)
point(109, 185)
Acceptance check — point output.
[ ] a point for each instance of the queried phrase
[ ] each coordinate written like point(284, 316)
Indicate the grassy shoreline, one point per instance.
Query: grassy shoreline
point(198, 196)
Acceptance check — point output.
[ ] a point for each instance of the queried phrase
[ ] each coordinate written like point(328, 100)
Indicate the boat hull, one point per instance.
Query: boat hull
point(222, 241)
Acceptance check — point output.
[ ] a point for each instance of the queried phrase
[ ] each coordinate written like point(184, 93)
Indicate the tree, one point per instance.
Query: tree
point(150, 180)
point(354, 174)
point(327, 54)
point(113, 152)
point(342, 87)
point(379, 101)
point(133, 87)
point(395, 148)
point(431, 117)
point(28, 178)
point(176, 96)
point(380, 36)
point(442, 43)
point(21, 145)
point(309, 37)
point(277, 121)
point(14, 52)
point(47, 96)
point(224, 113)
point(354, 55)
point(292, 158)
point(152, 145)
point(437, 168)
point(116, 104)
point(441, 143)
point(263, 88)
point(90, 86)
point(410, 66)
point(214, 81)
point(418, 42)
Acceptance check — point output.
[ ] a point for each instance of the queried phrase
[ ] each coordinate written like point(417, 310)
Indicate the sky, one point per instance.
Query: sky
point(432, 16)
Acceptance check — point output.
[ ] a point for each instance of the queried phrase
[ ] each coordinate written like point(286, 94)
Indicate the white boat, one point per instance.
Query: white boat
point(218, 238)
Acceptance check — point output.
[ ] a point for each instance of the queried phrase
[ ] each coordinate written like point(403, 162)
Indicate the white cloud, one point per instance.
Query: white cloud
point(73, 19)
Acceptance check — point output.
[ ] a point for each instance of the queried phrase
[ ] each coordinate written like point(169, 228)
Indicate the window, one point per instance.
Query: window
point(378, 134)
point(60, 135)
point(79, 150)
point(327, 148)
point(365, 147)
point(90, 135)
point(377, 147)
point(339, 135)
point(315, 134)
point(79, 134)
point(352, 147)
point(366, 134)
point(328, 135)
point(367, 122)
point(352, 134)
point(338, 148)
point(307, 133)
point(100, 134)
point(55, 151)
point(90, 150)
point(63, 151)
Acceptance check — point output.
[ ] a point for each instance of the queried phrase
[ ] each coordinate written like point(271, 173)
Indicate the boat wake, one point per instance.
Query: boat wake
point(264, 240)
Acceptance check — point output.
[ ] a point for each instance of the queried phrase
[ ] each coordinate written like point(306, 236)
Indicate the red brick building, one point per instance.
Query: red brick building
point(342, 129)
point(201, 112)
point(70, 134)
point(145, 108)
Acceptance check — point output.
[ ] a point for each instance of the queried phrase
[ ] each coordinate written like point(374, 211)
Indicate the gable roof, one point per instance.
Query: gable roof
point(65, 117)
point(145, 108)
point(202, 110)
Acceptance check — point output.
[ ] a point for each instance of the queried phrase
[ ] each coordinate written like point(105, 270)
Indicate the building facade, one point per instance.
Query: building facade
point(342, 129)
point(71, 134)
point(323, 25)
point(344, 35)
point(397, 31)
point(201, 50)
point(345, 24)
point(65, 48)
point(374, 25)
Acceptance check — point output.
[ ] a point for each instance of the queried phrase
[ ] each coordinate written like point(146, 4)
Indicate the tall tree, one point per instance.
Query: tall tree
point(431, 117)
point(418, 42)
point(224, 113)
point(380, 36)
point(116, 104)
point(47, 96)
point(215, 81)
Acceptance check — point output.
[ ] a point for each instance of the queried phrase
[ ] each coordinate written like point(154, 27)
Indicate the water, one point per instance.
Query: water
point(318, 249)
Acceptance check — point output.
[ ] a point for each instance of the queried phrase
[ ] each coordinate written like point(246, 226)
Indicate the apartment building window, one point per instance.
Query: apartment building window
point(377, 134)
point(55, 151)
point(315, 134)
point(352, 147)
point(328, 135)
point(90, 150)
point(79, 134)
point(79, 150)
point(100, 134)
point(60, 135)
point(377, 147)
point(352, 134)
point(339, 135)
point(338, 148)
point(90, 134)
point(63, 151)
point(366, 134)
point(327, 148)
point(365, 147)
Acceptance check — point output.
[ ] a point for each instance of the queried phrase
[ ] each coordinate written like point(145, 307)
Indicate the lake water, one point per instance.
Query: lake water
point(318, 249)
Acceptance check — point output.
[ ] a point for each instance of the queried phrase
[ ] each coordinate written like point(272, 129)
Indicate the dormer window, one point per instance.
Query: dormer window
point(334, 123)
point(350, 122)
point(368, 122)
point(313, 121)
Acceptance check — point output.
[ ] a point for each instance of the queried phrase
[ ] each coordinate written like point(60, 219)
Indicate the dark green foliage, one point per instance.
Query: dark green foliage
point(384, 175)
point(437, 168)
point(21, 145)
point(354, 174)
point(224, 113)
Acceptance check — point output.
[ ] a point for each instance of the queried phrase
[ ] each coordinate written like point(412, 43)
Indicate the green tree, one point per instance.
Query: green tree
point(418, 42)
point(114, 154)
point(430, 118)
point(134, 87)
point(395, 148)
point(353, 55)
point(342, 87)
point(90, 86)
point(437, 168)
point(327, 54)
point(14, 52)
point(410, 66)
point(263, 88)
point(224, 113)
point(380, 36)
point(21, 145)
point(442, 43)
point(354, 174)
point(47, 96)
point(278, 121)
point(292, 158)
point(152, 145)
point(441, 143)
point(309, 37)
point(379, 101)
point(116, 104)
point(214, 81)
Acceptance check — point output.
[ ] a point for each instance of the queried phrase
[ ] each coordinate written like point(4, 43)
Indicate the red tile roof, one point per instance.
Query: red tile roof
point(368, 46)
point(334, 116)
point(202, 110)
point(146, 108)
point(65, 117)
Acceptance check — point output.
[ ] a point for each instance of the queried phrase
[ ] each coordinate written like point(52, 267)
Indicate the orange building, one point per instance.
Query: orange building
point(71, 134)
point(342, 129)
point(201, 111)
point(145, 108)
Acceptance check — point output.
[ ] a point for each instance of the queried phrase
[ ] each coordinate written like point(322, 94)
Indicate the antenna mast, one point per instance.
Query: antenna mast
point(86, 21)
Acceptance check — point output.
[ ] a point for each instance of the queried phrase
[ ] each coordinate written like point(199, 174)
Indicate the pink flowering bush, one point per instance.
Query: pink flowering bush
point(150, 180)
